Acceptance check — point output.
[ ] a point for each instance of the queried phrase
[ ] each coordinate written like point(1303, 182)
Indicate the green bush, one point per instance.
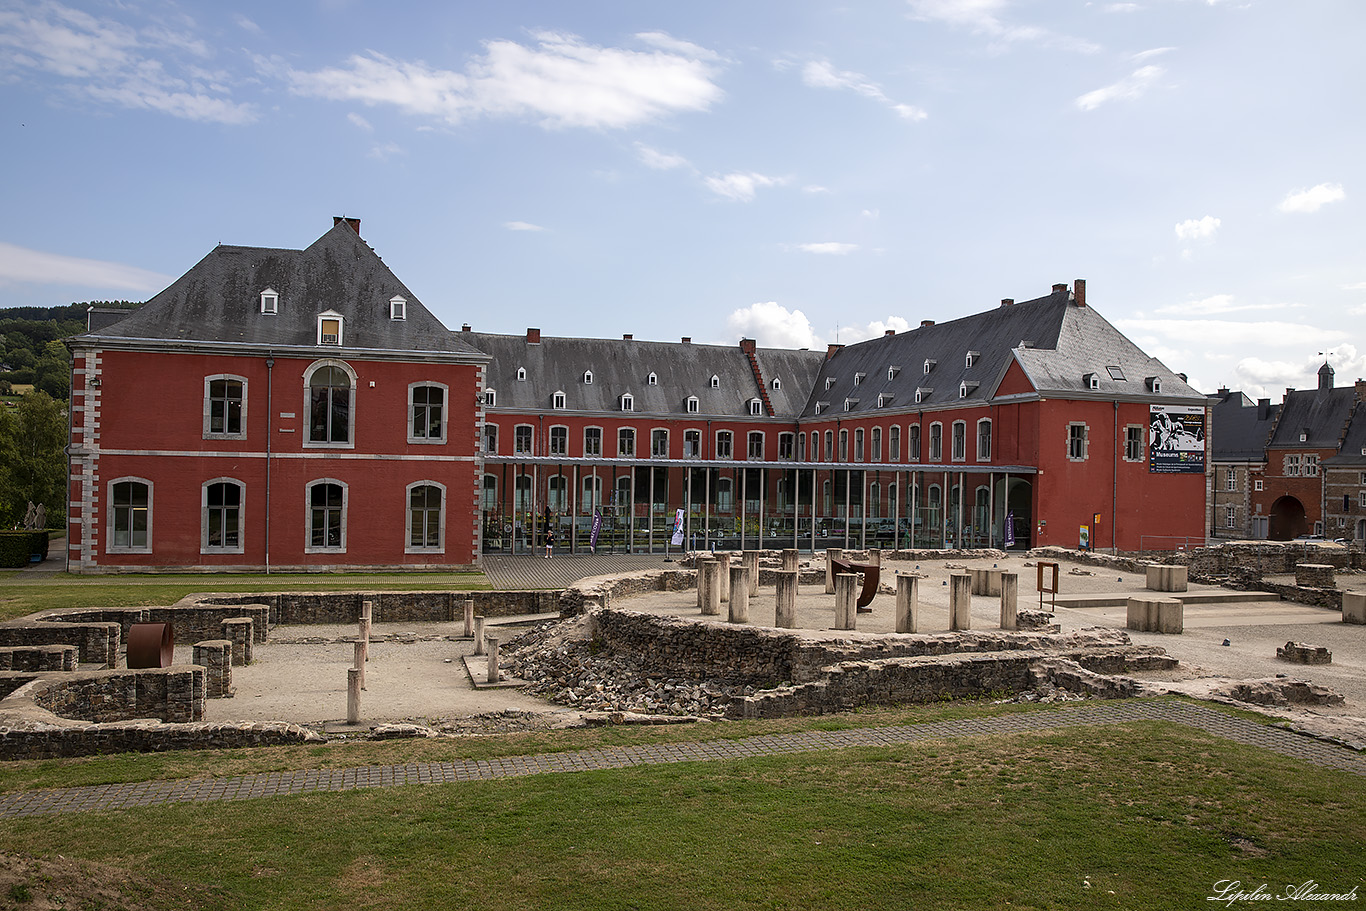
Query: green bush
point(17, 546)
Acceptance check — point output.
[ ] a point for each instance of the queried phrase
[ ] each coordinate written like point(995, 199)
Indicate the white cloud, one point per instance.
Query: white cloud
point(360, 121)
point(1225, 333)
point(1197, 228)
point(1270, 378)
point(385, 151)
point(246, 24)
point(773, 326)
point(1359, 286)
point(815, 189)
point(1152, 52)
point(741, 186)
point(18, 264)
point(834, 249)
point(560, 82)
point(660, 161)
point(876, 329)
point(983, 17)
point(1312, 199)
point(522, 226)
point(1122, 8)
point(822, 74)
point(1127, 89)
point(114, 63)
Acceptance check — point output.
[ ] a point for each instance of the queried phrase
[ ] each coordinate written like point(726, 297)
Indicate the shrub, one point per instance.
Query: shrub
point(16, 547)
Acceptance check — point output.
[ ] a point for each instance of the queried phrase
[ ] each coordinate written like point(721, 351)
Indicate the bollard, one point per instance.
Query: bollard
point(352, 696)
point(785, 612)
point(790, 559)
point(479, 635)
point(364, 631)
point(831, 555)
point(494, 674)
point(358, 660)
point(469, 618)
point(846, 600)
point(739, 594)
point(702, 563)
point(907, 603)
point(1010, 601)
point(710, 597)
point(960, 601)
point(751, 563)
point(723, 560)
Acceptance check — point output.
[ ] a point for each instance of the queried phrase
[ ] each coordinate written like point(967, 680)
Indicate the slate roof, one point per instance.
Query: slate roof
point(218, 302)
point(1241, 427)
point(621, 366)
point(1319, 414)
point(1353, 451)
point(1062, 344)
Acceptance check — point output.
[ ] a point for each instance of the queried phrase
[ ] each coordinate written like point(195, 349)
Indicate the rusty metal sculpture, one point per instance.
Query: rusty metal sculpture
point(150, 645)
point(870, 571)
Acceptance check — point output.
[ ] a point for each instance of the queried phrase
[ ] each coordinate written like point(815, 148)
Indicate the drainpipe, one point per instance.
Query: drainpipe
point(1114, 489)
point(270, 412)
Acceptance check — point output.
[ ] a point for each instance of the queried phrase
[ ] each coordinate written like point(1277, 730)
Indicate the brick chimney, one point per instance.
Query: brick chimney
point(352, 223)
point(626, 337)
point(888, 332)
point(465, 327)
point(747, 345)
point(687, 339)
point(1360, 394)
point(925, 323)
point(533, 336)
point(1079, 292)
point(1007, 302)
point(831, 349)
point(1059, 287)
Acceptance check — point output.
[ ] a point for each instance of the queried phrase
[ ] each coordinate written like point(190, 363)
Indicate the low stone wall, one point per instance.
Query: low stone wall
point(55, 741)
point(166, 694)
point(386, 607)
point(1316, 597)
point(215, 656)
point(96, 643)
point(1315, 575)
point(190, 622)
point(38, 658)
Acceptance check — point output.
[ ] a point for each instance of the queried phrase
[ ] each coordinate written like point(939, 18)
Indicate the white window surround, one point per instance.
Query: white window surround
point(308, 514)
point(408, 546)
point(270, 302)
point(588, 377)
point(776, 384)
point(440, 438)
point(209, 434)
point(756, 407)
point(984, 424)
point(691, 404)
point(652, 379)
point(628, 402)
point(522, 432)
point(398, 308)
point(204, 546)
point(329, 319)
point(490, 398)
point(715, 381)
point(755, 443)
point(595, 448)
point(521, 374)
point(109, 546)
point(557, 400)
point(350, 441)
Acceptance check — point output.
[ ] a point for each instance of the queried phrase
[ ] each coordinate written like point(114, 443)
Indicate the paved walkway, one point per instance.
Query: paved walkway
point(275, 784)
point(509, 572)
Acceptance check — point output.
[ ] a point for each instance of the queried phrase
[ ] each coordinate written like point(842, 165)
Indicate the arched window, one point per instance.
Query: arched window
point(130, 516)
point(221, 516)
point(331, 398)
point(426, 514)
point(326, 517)
point(225, 407)
point(427, 405)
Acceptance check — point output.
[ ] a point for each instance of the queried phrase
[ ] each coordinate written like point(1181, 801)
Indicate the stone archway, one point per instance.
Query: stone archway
point(1017, 502)
point(1288, 519)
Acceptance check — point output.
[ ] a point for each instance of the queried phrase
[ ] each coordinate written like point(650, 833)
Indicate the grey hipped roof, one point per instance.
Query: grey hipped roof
point(1057, 343)
point(621, 366)
point(1319, 415)
point(218, 303)
point(1352, 454)
point(1240, 427)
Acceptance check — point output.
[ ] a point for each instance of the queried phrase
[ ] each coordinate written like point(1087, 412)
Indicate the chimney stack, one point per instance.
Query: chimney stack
point(747, 345)
point(1360, 394)
point(1079, 292)
point(626, 336)
point(352, 223)
point(687, 339)
point(1263, 409)
point(831, 349)
point(1007, 302)
point(926, 323)
point(533, 336)
point(1059, 287)
point(465, 327)
point(889, 332)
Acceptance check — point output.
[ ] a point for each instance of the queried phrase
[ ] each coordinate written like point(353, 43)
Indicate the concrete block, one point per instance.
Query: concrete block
point(1354, 607)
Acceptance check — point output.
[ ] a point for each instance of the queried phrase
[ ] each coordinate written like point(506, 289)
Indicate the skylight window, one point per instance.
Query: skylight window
point(1116, 373)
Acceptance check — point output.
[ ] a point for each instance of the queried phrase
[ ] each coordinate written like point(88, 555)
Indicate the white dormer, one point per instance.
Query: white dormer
point(398, 307)
point(883, 398)
point(557, 400)
point(858, 378)
point(829, 381)
point(490, 398)
point(821, 406)
point(270, 301)
point(972, 358)
point(329, 328)
point(1154, 383)
point(966, 388)
point(652, 379)
point(756, 407)
point(521, 374)
point(715, 381)
point(929, 365)
point(1091, 380)
point(922, 393)
point(588, 377)
point(628, 402)
point(892, 372)
point(691, 404)
point(850, 404)
point(776, 384)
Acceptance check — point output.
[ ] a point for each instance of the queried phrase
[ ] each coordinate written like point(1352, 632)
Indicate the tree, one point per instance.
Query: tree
point(33, 438)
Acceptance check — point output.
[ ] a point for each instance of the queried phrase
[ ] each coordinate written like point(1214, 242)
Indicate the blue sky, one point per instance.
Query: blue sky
point(797, 172)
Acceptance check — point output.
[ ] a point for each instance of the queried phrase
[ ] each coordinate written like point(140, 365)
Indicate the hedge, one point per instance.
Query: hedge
point(16, 547)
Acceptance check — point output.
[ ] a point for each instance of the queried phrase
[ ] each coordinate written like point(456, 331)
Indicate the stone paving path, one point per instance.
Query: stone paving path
point(507, 572)
point(275, 784)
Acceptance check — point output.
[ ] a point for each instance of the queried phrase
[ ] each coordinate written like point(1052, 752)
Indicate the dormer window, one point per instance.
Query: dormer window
point(929, 365)
point(398, 308)
point(628, 401)
point(1304, 436)
point(850, 404)
point(1091, 381)
point(691, 404)
point(892, 372)
point(966, 388)
point(821, 406)
point(829, 381)
point(652, 380)
point(270, 301)
point(922, 393)
point(490, 398)
point(858, 378)
point(1154, 383)
point(883, 399)
point(972, 358)
point(715, 381)
point(776, 384)
point(557, 401)
point(521, 374)
point(588, 379)
point(756, 407)
point(330, 328)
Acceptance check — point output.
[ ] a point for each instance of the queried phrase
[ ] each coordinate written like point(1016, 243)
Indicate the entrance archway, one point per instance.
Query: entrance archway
point(1287, 519)
point(1017, 503)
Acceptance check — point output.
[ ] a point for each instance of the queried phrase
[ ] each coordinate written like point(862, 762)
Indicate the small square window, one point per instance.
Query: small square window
point(398, 308)
point(270, 302)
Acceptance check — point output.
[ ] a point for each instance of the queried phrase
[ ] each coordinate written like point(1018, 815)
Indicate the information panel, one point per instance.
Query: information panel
point(1176, 443)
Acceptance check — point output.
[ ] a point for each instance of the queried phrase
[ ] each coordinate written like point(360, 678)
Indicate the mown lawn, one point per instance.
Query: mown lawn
point(1137, 816)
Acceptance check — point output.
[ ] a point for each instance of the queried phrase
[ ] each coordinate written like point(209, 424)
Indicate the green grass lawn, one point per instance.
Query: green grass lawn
point(1136, 816)
point(24, 593)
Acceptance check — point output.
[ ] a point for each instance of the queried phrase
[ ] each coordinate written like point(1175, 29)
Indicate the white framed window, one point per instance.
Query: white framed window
point(929, 365)
point(398, 308)
point(659, 443)
point(1230, 517)
point(858, 378)
point(1230, 480)
point(1077, 440)
point(588, 377)
point(559, 440)
point(875, 444)
point(592, 441)
point(1293, 466)
point(913, 442)
point(626, 442)
point(270, 302)
point(557, 401)
point(491, 438)
point(330, 326)
point(756, 407)
point(692, 444)
point(221, 505)
point(427, 412)
point(1258, 484)
point(894, 443)
point(652, 379)
point(426, 515)
point(521, 374)
point(829, 446)
point(225, 407)
point(691, 404)
point(984, 440)
point(130, 516)
point(326, 503)
point(892, 372)
point(755, 449)
point(787, 446)
point(960, 441)
point(715, 381)
point(1311, 464)
point(522, 439)
point(858, 444)
point(971, 358)
point(628, 402)
point(776, 384)
point(1091, 381)
point(844, 446)
point(936, 442)
point(490, 398)
point(725, 445)
point(330, 403)
point(1361, 499)
point(829, 381)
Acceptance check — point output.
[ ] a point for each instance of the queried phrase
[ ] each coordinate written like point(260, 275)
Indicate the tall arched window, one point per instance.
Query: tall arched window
point(425, 514)
point(326, 516)
point(130, 519)
point(331, 398)
point(221, 528)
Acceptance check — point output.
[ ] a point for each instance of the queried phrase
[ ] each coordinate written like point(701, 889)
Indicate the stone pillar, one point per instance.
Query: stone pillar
point(479, 635)
point(907, 603)
point(723, 561)
point(494, 673)
point(352, 696)
point(360, 654)
point(1313, 575)
point(751, 563)
point(846, 600)
point(1353, 607)
point(831, 554)
point(790, 558)
point(710, 592)
point(739, 594)
point(702, 563)
point(215, 656)
point(365, 617)
point(1010, 601)
point(960, 601)
point(785, 614)
point(238, 631)
point(469, 618)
